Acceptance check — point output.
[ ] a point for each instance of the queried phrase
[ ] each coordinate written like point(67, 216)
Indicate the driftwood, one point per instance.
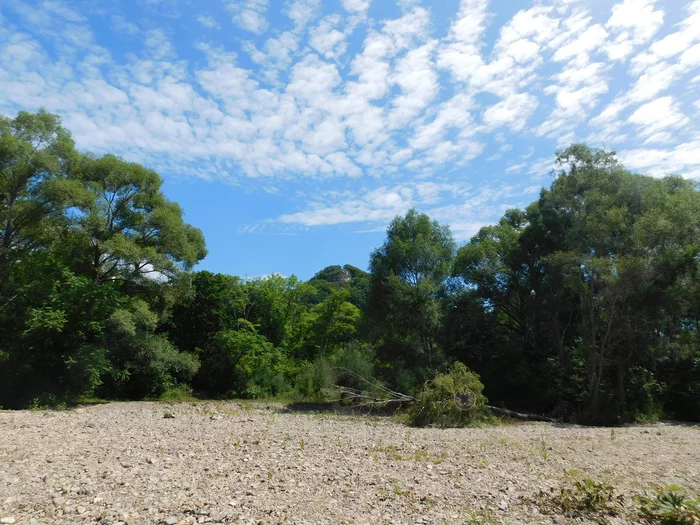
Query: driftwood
point(519, 415)
point(379, 395)
point(376, 395)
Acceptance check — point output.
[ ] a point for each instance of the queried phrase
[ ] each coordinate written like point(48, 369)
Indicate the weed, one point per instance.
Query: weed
point(392, 453)
point(669, 506)
point(480, 463)
point(440, 458)
point(302, 444)
point(481, 517)
point(543, 449)
point(584, 497)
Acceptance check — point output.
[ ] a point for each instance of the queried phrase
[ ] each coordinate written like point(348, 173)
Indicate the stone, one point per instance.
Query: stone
point(8, 520)
point(170, 520)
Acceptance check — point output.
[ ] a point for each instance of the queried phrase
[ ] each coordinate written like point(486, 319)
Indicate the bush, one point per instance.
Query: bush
point(435, 405)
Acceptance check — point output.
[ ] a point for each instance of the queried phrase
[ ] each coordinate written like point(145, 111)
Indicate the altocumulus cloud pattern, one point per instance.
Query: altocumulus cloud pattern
point(360, 109)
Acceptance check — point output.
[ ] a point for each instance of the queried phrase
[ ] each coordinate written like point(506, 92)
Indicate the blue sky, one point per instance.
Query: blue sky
point(293, 131)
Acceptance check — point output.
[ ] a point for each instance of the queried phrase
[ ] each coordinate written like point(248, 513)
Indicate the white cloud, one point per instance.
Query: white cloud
point(516, 168)
point(658, 115)
point(582, 44)
point(208, 21)
point(512, 112)
point(681, 159)
point(249, 14)
point(302, 11)
point(356, 6)
point(633, 22)
point(158, 44)
point(415, 74)
point(380, 204)
point(326, 39)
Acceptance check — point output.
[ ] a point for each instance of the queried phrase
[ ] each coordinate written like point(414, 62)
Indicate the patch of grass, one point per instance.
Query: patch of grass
point(669, 506)
point(393, 453)
point(481, 517)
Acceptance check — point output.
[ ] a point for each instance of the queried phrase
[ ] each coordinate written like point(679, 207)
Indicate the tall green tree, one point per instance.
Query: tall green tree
point(36, 155)
point(409, 272)
point(129, 231)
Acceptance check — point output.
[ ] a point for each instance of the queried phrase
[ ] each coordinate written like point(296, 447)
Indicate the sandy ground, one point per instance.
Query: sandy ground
point(236, 463)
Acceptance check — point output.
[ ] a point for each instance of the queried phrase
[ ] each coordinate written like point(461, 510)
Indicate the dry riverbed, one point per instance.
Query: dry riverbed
point(139, 463)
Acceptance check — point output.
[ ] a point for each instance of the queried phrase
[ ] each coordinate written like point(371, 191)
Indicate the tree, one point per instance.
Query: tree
point(216, 302)
point(88, 247)
point(36, 154)
point(586, 288)
point(332, 322)
point(128, 230)
point(408, 277)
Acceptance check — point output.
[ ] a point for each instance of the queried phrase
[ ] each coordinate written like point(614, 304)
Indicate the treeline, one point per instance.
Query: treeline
point(584, 306)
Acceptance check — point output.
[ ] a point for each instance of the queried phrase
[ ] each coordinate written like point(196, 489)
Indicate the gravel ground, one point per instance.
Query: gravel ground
point(138, 463)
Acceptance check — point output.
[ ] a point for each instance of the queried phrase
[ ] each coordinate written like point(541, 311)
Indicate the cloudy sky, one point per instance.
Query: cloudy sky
point(292, 131)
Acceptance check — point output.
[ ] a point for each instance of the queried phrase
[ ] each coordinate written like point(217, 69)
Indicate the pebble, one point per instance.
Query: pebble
point(170, 520)
point(8, 520)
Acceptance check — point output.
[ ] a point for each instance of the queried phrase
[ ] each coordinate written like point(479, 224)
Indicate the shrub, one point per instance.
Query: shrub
point(434, 404)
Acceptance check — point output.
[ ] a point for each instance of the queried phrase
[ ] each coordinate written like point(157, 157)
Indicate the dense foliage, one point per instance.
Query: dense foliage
point(584, 306)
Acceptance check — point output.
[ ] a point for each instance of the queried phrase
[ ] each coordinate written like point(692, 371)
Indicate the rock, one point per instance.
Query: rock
point(503, 505)
point(170, 520)
point(7, 520)
point(168, 415)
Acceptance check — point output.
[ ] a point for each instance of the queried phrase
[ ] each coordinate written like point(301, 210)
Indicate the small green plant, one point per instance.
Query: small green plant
point(669, 506)
point(302, 444)
point(584, 497)
point(588, 496)
point(543, 449)
point(481, 517)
